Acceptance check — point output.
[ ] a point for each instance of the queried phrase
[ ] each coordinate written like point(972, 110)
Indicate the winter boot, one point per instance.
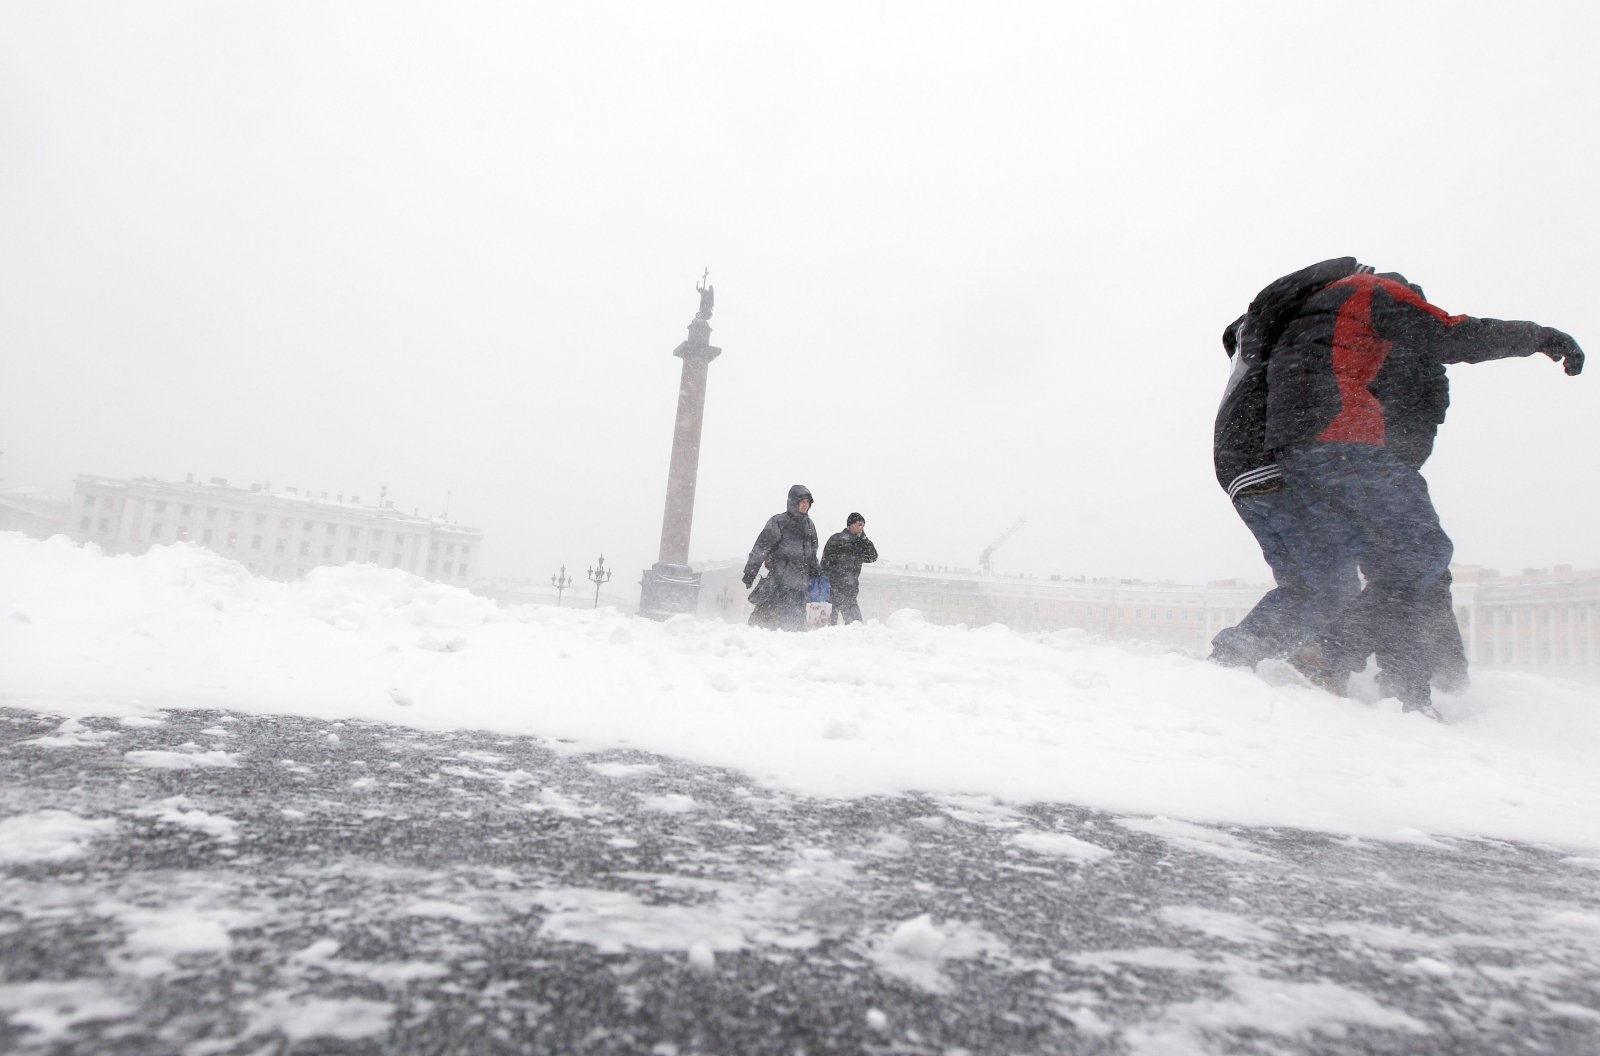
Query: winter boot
point(1235, 648)
point(1227, 655)
point(1414, 694)
point(1310, 661)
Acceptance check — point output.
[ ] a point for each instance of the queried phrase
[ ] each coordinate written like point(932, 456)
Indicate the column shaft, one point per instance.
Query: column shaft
point(678, 516)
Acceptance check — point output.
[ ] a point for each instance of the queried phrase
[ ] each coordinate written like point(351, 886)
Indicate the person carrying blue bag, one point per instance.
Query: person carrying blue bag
point(788, 546)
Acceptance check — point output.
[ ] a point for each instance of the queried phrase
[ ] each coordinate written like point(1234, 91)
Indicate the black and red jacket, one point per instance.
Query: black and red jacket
point(1243, 461)
point(1363, 362)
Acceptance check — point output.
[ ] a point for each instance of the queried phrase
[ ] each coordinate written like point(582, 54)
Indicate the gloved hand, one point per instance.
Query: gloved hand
point(749, 581)
point(1563, 349)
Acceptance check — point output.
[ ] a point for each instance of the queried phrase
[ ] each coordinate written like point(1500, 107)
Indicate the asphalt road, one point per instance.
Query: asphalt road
point(206, 884)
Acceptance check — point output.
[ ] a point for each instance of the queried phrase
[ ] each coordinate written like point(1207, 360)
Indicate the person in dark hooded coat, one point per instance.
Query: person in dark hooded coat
point(788, 545)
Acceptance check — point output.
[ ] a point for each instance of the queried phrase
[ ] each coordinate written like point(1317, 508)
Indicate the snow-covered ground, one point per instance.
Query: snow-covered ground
point(895, 705)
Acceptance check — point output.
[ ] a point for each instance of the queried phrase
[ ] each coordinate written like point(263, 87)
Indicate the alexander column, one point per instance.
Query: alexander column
point(670, 586)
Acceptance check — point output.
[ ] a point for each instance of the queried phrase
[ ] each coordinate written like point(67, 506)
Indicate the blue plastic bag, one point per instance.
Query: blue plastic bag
point(821, 590)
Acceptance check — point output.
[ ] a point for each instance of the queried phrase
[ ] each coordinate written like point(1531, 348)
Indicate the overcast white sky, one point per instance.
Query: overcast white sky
point(971, 261)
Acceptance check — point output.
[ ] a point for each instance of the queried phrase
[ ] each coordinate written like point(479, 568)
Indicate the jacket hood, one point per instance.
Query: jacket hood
point(1305, 281)
point(796, 494)
point(1278, 302)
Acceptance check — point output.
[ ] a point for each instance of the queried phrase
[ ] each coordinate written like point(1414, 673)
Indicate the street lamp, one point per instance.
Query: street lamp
point(598, 575)
point(561, 581)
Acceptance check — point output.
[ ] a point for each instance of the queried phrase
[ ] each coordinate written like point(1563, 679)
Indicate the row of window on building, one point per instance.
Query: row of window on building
point(183, 533)
point(208, 537)
point(300, 570)
point(1565, 614)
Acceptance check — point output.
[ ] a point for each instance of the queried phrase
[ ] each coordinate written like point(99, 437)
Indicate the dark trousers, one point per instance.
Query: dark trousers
point(1364, 493)
point(845, 609)
point(1439, 644)
point(1446, 652)
point(1314, 579)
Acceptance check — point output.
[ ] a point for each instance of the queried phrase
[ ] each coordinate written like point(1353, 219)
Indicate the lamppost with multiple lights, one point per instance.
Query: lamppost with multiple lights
point(598, 575)
point(561, 581)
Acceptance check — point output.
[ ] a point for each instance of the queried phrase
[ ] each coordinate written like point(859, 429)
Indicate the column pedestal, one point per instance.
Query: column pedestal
point(669, 590)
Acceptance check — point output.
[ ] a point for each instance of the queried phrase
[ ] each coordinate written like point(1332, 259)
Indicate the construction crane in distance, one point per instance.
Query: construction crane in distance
point(988, 551)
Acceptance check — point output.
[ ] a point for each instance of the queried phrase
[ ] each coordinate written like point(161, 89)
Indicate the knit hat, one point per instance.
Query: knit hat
point(853, 518)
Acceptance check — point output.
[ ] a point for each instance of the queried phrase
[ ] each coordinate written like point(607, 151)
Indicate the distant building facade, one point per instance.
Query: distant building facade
point(1120, 609)
point(1171, 614)
point(1543, 620)
point(279, 535)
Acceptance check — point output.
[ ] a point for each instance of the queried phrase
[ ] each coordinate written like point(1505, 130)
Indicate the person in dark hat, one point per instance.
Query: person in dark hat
point(842, 559)
point(788, 546)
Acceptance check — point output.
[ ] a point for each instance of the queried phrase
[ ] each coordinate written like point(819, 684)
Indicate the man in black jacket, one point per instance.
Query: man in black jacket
point(1356, 390)
point(1313, 579)
point(842, 559)
point(788, 543)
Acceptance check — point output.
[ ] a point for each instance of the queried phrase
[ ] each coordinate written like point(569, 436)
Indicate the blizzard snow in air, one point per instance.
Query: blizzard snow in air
point(895, 705)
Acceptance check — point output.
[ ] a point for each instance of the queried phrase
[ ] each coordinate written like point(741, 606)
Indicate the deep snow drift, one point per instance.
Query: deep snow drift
point(890, 706)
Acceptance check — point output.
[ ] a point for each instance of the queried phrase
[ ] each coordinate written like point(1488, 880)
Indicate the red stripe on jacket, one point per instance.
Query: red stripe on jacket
point(1359, 354)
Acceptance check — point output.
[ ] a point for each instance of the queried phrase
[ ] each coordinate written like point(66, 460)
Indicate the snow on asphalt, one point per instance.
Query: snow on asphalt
point(890, 706)
point(894, 705)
